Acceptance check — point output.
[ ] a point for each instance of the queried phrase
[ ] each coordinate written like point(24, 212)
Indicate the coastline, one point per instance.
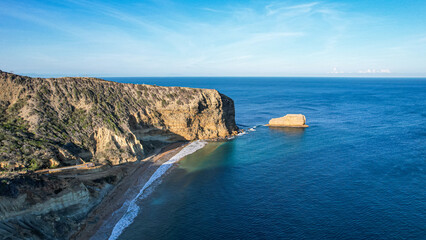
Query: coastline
point(68, 142)
point(101, 220)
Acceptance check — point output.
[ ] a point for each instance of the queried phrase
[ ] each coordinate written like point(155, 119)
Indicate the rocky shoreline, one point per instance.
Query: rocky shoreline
point(87, 216)
point(72, 149)
point(99, 222)
point(78, 214)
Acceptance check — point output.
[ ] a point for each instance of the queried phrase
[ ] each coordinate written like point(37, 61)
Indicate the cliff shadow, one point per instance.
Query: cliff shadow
point(78, 151)
point(152, 137)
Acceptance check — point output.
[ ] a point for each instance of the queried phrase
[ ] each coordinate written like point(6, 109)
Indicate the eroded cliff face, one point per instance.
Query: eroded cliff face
point(50, 207)
point(50, 123)
point(63, 121)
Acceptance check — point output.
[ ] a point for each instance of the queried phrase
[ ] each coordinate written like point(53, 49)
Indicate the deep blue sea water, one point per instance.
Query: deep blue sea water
point(358, 171)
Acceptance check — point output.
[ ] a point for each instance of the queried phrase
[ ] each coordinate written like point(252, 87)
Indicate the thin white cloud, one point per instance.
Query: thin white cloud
point(268, 36)
point(307, 5)
point(213, 10)
point(153, 38)
point(276, 8)
point(422, 40)
point(374, 71)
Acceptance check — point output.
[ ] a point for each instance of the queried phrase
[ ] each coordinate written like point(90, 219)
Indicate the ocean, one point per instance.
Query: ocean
point(357, 172)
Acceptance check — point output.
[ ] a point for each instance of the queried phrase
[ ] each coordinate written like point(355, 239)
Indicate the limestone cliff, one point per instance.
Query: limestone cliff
point(63, 121)
point(56, 122)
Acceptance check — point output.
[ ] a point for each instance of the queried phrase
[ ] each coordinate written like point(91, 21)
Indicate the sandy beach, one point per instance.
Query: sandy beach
point(101, 219)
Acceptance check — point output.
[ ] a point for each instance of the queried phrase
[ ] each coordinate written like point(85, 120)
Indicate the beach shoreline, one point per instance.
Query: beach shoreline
point(101, 219)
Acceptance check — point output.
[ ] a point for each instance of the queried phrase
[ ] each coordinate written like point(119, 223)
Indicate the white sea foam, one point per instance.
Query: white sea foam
point(253, 129)
point(239, 134)
point(133, 208)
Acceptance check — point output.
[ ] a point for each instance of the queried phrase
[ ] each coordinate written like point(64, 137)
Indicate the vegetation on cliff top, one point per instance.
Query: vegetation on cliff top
point(45, 123)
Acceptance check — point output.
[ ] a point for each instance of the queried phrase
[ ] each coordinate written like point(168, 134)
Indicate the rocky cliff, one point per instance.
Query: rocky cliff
point(48, 123)
point(41, 206)
point(57, 122)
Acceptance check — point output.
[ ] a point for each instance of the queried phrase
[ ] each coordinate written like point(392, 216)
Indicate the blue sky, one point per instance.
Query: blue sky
point(213, 38)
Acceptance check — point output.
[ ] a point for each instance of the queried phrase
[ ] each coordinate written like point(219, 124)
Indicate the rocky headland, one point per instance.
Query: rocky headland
point(117, 128)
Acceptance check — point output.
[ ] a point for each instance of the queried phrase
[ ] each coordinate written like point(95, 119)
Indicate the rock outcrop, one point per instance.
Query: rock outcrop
point(48, 207)
point(57, 122)
point(289, 120)
point(66, 121)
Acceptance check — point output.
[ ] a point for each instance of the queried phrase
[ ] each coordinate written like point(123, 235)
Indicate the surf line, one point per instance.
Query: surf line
point(244, 132)
point(133, 208)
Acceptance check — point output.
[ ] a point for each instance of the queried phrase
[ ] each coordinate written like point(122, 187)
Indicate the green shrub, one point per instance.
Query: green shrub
point(33, 164)
point(142, 87)
point(17, 106)
point(163, 103)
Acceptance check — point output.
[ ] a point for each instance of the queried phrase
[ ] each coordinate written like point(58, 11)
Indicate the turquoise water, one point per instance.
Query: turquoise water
point(358, 171)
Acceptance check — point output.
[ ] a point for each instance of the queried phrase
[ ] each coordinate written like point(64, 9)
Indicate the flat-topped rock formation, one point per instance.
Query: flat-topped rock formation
point(289, 120)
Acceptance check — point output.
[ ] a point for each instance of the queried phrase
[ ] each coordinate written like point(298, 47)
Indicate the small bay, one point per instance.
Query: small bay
point(358, 171)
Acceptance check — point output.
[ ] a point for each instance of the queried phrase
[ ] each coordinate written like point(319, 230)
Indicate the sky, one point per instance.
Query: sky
point(213, 38)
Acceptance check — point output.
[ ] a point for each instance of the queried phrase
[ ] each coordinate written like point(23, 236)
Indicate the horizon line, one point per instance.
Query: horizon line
point(223, 76)
point(360, 75)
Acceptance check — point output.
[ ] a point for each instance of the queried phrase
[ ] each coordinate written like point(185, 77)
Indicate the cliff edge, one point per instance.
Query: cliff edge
point(58, 122)
point(53, 122)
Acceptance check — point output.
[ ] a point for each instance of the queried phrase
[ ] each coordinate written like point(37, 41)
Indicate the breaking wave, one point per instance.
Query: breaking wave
point(132, 207)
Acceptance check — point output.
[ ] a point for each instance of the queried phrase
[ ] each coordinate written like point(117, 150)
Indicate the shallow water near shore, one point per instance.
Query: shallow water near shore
point(358, 171)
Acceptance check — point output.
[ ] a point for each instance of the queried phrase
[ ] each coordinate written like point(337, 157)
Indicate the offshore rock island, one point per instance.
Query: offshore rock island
point(289, 120)
point(113, 130)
